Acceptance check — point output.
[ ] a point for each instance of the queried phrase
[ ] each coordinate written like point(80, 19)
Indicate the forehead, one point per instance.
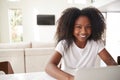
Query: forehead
point(83, 19)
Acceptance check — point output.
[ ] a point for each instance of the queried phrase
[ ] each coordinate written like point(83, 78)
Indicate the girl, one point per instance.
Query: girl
point(79, 34)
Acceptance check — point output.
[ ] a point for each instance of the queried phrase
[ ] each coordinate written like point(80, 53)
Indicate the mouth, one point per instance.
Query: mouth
point(83, 36)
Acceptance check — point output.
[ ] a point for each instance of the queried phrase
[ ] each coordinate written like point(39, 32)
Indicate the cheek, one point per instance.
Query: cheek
point(89, 31)
point(75, 32)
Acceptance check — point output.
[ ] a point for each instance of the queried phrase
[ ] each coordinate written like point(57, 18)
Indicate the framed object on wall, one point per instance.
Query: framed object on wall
point(45, 19)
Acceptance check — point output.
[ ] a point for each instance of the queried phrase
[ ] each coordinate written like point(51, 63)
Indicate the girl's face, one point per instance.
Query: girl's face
point(82, 29)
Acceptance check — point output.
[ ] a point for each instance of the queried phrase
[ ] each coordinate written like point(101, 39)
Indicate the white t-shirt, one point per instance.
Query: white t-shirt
point(76, 57)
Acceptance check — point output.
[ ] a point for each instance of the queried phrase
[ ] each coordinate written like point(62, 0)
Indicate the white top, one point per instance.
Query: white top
point(76, 57)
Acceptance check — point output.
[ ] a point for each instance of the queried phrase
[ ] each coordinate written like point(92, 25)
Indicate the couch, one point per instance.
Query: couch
point(26, 56)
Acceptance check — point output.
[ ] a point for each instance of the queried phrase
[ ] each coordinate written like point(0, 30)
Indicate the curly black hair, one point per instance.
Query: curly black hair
point(67, 20)
point(66, 24)
point(97, 21)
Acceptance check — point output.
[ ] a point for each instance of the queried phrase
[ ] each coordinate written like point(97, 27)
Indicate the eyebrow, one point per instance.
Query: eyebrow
point(84, 25)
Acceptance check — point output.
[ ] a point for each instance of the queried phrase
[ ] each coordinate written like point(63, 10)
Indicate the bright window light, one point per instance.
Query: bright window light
point(15, 24)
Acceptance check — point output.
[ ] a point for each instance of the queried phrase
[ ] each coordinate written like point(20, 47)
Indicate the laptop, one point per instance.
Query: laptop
point(101, 73)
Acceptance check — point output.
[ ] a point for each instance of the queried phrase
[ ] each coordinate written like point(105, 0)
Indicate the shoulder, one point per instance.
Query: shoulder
point(61, 46)
point(62, 43)
point(98, 42)
point(98, 45)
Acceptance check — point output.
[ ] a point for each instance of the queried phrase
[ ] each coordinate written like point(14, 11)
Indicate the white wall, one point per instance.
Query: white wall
point(4, 31)
point(0, 20)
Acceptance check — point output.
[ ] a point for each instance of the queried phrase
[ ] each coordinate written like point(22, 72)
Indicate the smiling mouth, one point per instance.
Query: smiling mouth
point(83, 36)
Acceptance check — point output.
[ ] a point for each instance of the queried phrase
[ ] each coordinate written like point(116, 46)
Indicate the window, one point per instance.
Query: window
point(112, 34)
point(15, 23)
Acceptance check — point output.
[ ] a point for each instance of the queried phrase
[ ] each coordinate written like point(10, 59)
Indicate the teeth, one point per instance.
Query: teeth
point(82, 35)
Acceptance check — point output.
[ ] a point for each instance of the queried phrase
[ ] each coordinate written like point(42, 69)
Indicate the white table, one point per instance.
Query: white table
point(27, 76)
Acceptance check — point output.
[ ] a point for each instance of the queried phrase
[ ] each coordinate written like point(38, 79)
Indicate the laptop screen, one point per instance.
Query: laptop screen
point(101, 73)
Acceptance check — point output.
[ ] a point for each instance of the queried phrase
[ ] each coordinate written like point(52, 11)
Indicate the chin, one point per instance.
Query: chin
point(82, 40)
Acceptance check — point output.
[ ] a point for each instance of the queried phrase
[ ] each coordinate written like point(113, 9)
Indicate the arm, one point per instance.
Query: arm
point(107, 58)
point(54, 71)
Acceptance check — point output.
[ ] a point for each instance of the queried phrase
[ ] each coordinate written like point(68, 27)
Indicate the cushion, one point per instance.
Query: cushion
point(15, 45)
point(42, 45)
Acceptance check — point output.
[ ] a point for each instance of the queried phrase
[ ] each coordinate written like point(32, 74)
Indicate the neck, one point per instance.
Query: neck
point(80, 44)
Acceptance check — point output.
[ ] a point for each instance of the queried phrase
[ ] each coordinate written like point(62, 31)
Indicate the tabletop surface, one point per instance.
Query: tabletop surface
point(27, 76)
point(105, 73)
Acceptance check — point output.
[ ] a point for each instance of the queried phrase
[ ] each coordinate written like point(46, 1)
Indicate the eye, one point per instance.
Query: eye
point(78, 26)
point(88, 26)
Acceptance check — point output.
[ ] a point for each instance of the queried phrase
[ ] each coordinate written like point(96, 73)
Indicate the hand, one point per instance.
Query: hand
point(71, 78)
point(68, 78)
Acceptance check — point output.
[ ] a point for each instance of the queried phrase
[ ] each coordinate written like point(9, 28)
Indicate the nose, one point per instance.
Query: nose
point(83, 31)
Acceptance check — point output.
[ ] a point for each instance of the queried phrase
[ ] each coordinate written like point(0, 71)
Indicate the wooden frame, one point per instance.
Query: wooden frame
point(6, 67)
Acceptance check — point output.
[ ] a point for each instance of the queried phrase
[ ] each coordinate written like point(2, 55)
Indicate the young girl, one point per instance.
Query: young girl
point(79, 34)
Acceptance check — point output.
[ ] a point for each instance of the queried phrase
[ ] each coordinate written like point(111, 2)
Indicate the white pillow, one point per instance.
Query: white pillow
point(19, 45)
point(2, 73)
